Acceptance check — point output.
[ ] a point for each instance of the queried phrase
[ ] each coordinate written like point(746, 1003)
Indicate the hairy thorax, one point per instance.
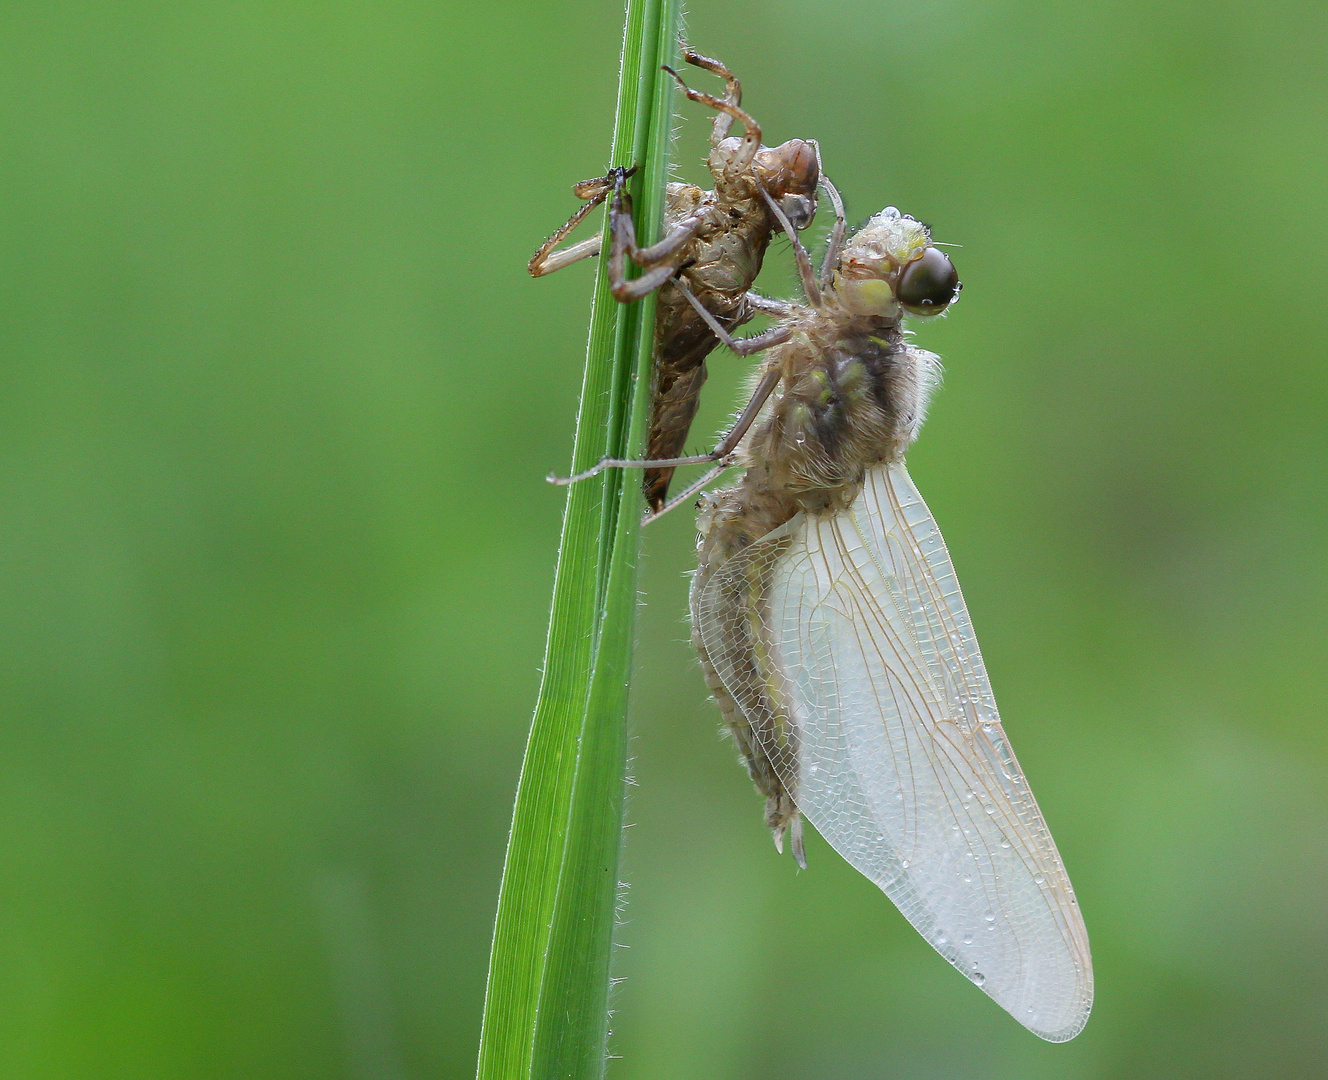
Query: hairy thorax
point(853, 393)
point(852, 396)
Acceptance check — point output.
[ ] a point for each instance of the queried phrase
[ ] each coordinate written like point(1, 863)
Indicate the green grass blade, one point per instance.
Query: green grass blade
point(546, 1006)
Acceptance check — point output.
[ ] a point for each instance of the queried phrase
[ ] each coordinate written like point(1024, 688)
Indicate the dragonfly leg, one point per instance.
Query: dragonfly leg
point(630, 463)
point(751, 136)
point(776, 335)
point(687, 492)
point(765, 305)
point(659, 260)
point(667, 249)
point(546, 260)
point(723, 453)
point(836, 242)
point(810, 285)
point(732, 90)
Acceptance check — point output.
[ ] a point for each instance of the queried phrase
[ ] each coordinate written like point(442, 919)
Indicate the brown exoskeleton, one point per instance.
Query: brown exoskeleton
point(714, 241)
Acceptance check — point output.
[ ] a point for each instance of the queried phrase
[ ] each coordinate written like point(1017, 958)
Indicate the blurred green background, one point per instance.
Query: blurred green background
point(276, 549)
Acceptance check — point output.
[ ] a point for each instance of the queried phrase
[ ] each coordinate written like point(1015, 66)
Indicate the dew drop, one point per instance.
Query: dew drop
point(800, 437)
point(968, 939)
point(968, 879)
point(941, 939)
point(991, 809)
point(979, 978)
point(989, 917)
point(903, 863)
point(1039, 879)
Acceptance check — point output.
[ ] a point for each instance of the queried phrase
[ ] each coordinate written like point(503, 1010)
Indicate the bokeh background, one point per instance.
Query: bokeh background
point(276, 551)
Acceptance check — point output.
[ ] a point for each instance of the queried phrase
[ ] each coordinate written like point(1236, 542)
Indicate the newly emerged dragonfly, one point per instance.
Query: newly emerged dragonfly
point(714, 240)
point(834, 636)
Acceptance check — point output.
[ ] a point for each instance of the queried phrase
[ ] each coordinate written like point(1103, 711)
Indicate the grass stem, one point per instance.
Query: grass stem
point(546, 1008)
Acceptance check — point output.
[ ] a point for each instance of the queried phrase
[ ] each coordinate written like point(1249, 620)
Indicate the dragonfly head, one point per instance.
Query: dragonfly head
point(890, 266)
point(790, 173)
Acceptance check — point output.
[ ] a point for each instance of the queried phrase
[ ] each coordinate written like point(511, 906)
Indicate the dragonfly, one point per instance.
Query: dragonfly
point(714, 244)
point(835, 639)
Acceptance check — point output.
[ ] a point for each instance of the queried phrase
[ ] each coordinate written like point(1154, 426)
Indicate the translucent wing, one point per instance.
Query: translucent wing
point(874, 704)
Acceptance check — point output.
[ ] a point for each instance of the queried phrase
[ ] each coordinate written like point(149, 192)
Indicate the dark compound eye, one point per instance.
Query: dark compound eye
point(788, 169)
point(800, 209)
point(928, 285)
point(801, 167)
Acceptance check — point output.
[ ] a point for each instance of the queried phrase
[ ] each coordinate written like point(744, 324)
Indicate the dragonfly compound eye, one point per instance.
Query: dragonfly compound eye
point(788, 169)
point(799, 209)
point(929, 285)
point(801, 167)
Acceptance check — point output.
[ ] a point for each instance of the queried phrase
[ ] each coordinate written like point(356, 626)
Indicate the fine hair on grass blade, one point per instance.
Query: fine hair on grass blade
point(546, 1007)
